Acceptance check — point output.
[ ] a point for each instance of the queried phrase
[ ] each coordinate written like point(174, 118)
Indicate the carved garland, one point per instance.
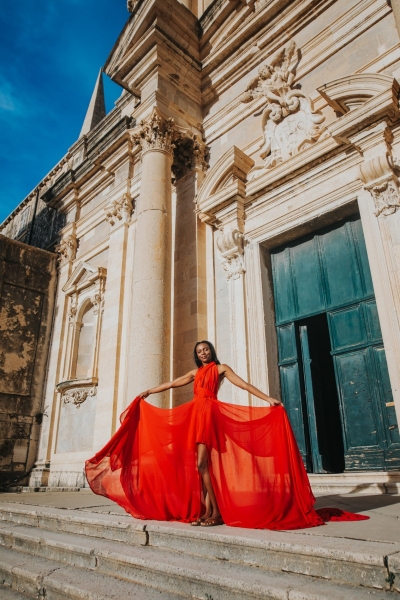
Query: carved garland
point(120, 210)
point(78, 396)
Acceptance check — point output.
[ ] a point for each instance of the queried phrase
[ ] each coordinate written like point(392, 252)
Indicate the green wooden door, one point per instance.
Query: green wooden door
point(328, 272)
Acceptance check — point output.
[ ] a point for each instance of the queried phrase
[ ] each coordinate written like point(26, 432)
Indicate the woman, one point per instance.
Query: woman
point(249, 471)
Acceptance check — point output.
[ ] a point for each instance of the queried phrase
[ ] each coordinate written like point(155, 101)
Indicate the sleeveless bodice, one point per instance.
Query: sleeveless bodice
point(206, 380)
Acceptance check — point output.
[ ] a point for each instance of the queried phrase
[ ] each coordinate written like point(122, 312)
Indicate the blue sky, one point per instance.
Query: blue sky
point(51, 52)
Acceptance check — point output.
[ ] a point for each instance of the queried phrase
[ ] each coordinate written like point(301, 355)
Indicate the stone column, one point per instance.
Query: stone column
point(149, 353)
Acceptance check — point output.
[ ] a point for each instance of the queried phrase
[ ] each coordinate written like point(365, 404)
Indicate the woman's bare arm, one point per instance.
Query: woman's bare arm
point(179, 382)
point(241, 383)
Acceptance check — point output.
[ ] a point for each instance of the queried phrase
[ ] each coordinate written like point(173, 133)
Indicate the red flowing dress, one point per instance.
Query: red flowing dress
point(149, 467)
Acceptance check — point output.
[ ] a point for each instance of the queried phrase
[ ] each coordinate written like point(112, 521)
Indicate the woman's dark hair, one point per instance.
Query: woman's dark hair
point(213, 353)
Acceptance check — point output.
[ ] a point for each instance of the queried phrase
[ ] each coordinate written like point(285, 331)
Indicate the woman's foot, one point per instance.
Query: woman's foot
point(212, 521)
point(200, 520)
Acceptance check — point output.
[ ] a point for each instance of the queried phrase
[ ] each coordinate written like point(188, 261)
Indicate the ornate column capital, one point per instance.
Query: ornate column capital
point(231, 248)
point(156, 133)
point(380, 179)
point(67, 249)
point(119, 210)
point(190, 154)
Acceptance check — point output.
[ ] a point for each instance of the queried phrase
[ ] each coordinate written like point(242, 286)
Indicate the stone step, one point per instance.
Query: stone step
point(24, 576)
point(171, 571)
point(361, 563)
point(7, 593)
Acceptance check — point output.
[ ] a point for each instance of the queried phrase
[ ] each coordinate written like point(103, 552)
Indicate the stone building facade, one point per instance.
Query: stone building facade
point(244, 189)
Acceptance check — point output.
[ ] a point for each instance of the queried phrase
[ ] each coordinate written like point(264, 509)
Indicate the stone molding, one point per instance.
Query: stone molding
point(381, 181)
point(231, 247)
point(156, 133)
point(78, 396)
point(119, 210)
point(67, 249)
point(289, 122)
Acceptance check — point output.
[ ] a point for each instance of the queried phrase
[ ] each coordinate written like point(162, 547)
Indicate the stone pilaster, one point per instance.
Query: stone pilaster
point(150, 337)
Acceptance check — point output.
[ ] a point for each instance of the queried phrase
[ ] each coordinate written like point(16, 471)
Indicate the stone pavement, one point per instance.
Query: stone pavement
point(67, 545)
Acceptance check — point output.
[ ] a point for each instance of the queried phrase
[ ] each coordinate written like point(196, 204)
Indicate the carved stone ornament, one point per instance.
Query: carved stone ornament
point(78, 396)
point(289, 121)
point(119, 210)
point(381, 181)
point(190, 154)
point(230, 246)
point(73, 310)
point(67, 249)
point(98, 302)
point(156, 133)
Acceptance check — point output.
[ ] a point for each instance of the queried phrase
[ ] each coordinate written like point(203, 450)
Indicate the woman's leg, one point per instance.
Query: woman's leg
point(202, 465)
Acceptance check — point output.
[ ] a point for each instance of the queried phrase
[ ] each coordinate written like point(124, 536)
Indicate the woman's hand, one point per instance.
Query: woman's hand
point(275, 402)
point(144, 394)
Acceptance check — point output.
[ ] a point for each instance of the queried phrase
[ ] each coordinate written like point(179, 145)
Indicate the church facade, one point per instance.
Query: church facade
point(245, 190)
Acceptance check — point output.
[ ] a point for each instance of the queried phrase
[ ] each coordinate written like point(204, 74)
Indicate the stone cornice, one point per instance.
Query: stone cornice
point(97, 151)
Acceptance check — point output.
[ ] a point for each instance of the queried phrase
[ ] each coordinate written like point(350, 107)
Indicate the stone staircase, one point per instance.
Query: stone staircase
point(76, 554)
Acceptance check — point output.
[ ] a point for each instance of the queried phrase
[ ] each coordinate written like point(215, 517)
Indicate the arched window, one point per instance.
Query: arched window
point(87, 335)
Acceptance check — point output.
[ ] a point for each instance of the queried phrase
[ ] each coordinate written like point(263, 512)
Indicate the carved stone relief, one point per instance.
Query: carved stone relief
point(156, 133)
point(67, 249)
point(190, 154)
point(78, 396)
point(381, 181)
point(230, 246)
point(119, 210)
point(289, 122)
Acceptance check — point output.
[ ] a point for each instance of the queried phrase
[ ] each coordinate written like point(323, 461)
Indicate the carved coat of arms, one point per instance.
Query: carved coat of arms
point(289, 121)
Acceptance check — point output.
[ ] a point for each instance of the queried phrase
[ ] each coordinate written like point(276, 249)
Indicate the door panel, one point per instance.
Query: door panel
point(359, 415)
point(285, 308)
point(292, 392)
point(361, 250)
point(341, 273)
point(305, 268)
point(372, 322)
point(310, 401)
point(346, 328)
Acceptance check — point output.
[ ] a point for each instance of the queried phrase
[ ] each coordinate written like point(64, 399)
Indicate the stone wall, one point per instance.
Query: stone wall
point(27, 284)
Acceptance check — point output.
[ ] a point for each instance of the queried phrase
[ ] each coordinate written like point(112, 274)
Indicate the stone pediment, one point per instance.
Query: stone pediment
point(350, 92)
point(226, 179)
point(83, 276)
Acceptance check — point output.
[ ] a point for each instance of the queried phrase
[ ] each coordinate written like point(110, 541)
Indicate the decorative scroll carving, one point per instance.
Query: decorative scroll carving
point(381, 181)
point(230, 246)
point(156, 133)
point(67, 249)
point(98, 302)
point(119, 210)
point(78, 396)
point(190, 154)
point(73, 309)
point(289, 121)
